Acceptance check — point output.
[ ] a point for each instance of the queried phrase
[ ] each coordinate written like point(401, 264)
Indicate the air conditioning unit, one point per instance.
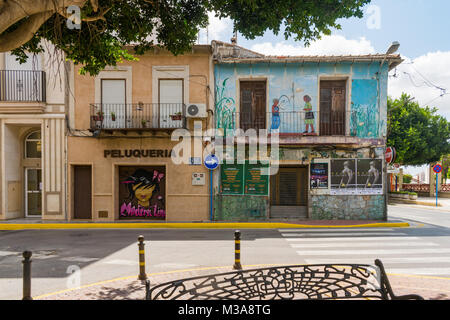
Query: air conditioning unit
point(196, 110)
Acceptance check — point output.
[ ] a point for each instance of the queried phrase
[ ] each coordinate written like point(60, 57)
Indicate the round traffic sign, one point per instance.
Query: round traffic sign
point(390, 155)
point(211, 161)
point(437, 168)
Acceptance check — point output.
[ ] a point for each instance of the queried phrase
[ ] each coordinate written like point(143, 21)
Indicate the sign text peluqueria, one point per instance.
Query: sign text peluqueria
point(138, 153)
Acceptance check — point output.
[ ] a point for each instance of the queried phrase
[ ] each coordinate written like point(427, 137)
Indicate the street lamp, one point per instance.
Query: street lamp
point(392, 49)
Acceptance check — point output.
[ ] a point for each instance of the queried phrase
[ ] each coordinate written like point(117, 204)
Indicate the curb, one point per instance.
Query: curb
point(50, 226)
point(419, 203)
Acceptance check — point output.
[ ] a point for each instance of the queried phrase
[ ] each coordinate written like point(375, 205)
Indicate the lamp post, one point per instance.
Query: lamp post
point(392, 49)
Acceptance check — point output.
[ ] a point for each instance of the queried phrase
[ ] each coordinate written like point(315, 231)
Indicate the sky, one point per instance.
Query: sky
point(420, 26)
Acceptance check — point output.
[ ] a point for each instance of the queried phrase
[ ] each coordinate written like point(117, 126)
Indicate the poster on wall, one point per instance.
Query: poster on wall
point(370, 176)
point(255, 182)
point(232, 179)
point(319, 176)
point(142, 192)
point(343, 176)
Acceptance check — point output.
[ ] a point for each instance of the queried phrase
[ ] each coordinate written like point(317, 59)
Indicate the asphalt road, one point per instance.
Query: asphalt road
point(99, 255)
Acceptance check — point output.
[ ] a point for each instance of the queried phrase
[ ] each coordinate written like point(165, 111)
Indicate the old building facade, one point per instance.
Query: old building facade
point(325, 118)
point(120, 148)
point(32, 138)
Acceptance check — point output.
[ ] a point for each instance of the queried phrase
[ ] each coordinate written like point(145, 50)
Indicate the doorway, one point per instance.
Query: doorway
point(252, 113)
point(82, 200)
point(33, 192)
point(288, 193)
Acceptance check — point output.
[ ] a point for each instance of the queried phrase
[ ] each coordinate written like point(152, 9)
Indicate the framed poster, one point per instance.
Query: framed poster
point(142, 192)
point(343, 176)
point(318, 176)
point(232, 179)
point(370, 176)
point(255, 182)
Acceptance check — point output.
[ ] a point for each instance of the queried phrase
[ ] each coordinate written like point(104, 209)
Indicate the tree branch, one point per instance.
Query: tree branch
point(24, 32)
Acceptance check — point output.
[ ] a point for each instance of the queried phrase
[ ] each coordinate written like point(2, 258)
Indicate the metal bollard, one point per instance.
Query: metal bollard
point(27, 275)
point(237, 250)
point(141, 244)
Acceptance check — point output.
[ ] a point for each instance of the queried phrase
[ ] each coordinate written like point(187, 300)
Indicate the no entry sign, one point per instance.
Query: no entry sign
point(437, 168)
point(390, 155)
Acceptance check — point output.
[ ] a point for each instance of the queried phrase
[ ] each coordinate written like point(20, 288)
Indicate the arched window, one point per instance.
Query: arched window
point(33, 145)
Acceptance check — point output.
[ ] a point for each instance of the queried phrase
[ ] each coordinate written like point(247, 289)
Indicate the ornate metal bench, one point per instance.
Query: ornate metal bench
point(318, 282)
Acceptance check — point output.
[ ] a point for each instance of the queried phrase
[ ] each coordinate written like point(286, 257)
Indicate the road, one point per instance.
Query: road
point(423, 249)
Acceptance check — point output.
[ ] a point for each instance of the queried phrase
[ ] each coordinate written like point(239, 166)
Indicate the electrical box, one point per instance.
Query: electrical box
point(198, 179)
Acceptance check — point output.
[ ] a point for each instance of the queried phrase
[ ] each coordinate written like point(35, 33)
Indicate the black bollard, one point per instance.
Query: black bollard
point(27, 275)
point(237, 250)
point(141, 244)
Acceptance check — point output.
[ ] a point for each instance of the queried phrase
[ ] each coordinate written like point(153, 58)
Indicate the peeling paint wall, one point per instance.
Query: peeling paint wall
point(325, 207)
point(290, 83)
point(240, 208)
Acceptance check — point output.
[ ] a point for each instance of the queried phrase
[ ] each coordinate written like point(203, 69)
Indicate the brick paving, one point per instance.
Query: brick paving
point(431, 288)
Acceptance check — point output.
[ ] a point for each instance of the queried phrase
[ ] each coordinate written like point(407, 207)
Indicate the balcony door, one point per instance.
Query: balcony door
point(252, 113)
point(114, 108)
point(332, 108)
point(171, 92)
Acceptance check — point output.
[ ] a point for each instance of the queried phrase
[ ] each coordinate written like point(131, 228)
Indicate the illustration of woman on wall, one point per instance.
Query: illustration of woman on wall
point(309, 115)
point(142, 185)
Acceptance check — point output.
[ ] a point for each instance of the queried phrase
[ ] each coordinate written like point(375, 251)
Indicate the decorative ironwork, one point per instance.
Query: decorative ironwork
point(22, 85)
point(416, 187)
point(318, 282)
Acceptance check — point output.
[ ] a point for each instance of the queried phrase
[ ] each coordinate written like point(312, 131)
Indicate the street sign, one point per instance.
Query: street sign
point(437, 168)
point(390, 155)
point(211, 161)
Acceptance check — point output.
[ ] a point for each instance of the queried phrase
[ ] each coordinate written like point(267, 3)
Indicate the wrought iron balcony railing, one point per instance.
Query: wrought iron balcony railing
point(314, 123)
point(143, 116)
point(22, 86)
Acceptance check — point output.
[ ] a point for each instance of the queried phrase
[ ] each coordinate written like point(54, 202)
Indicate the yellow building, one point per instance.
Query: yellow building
point(119, 143)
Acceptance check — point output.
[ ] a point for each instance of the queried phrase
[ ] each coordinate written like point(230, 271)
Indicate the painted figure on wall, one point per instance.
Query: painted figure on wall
point(277, 106)
point(144, 197)
point(309, 114)
point(347, 175)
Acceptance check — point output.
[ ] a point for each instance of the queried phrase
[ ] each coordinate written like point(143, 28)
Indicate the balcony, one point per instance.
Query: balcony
point(319, 127)
point(22, 86)
point(296, 122)
point(138, 116)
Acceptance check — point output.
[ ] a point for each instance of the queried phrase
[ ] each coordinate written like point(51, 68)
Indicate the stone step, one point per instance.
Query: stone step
point(289, 212)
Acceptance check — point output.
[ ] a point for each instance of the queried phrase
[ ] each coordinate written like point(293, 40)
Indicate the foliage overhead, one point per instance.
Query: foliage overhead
point(109, 25)
point(419, 135)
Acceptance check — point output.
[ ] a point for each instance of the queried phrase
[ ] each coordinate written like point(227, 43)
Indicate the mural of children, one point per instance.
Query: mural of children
point(309, 115)
point(276, 121)
point(141, 185)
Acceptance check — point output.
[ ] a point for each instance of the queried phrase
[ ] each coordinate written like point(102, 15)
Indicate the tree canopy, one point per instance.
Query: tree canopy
point(419, 135)
point(109, 25)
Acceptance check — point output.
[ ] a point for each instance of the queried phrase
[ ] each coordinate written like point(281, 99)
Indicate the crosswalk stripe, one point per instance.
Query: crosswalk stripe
point(385, 261)
point(371, 251)
point(341, 234)
point(372, 244)
point(334, 230)
point(420, 271)
point(350, 239)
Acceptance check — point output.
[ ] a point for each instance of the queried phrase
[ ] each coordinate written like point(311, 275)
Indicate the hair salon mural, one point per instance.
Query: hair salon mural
point(142, 192)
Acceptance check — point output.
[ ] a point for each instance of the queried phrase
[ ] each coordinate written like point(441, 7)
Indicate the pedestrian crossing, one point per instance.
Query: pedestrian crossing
point(400, 252)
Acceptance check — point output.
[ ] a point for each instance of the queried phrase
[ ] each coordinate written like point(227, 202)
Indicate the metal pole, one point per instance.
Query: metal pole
point(437, 189)
point(237, 250)
point(141, 244)
point(211, 195)
point(27, 275)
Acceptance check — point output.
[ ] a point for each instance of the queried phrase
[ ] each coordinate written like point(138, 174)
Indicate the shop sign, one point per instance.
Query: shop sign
point(137, 153)
point(240, 179)
point(142, 192)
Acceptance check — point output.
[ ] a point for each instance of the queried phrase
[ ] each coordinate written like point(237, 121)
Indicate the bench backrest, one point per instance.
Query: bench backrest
point(287, 282)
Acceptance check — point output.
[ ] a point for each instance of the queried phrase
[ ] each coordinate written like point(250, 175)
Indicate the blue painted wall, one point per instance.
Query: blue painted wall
point(291, 82)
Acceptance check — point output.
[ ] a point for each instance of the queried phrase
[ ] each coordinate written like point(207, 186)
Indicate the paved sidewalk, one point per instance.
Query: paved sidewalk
point(431, 288)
